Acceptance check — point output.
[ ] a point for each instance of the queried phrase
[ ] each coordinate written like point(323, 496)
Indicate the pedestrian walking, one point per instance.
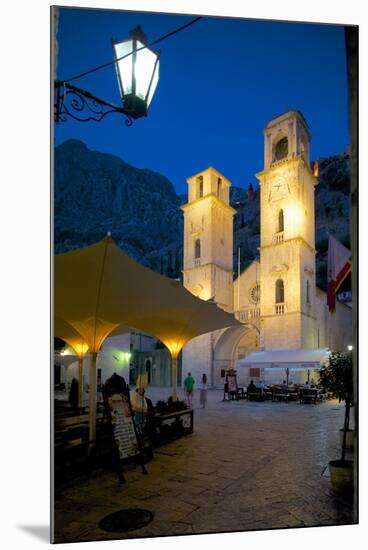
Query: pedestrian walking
point(188, 387)
point(203, 391)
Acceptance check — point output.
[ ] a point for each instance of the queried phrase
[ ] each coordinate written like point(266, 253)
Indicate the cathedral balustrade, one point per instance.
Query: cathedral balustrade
point(279, 309)
point(248, 314)
point(278, 162)
point(278, 237)
point(197, 262)
point(285, 160)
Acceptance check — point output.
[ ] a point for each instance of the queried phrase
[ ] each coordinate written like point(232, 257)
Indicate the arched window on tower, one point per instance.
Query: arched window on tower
point(200, 186)
point(280, 224)
point(219, 185)
point(280, 291)
point(280, 149)
point(197, 249)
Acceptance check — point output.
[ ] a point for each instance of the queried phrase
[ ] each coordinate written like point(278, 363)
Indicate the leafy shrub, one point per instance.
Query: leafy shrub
point(337, 377)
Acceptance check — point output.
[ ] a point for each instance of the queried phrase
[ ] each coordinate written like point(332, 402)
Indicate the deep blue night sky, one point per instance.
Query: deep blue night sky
point(221, 80)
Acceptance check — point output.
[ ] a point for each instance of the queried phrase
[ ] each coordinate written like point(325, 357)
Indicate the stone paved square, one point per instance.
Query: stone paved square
point(247, 466)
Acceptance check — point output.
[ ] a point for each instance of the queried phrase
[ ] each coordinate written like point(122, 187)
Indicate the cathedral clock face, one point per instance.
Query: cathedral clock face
point(279, 188)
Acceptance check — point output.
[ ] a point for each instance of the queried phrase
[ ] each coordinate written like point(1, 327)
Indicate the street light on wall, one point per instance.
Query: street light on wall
point(137, 69)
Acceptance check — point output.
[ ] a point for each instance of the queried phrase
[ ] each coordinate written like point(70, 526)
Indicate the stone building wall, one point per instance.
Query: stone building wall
point(333, 330)
point(198, 357)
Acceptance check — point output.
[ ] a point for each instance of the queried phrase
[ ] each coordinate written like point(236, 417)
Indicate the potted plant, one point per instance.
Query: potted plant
point(337, 377)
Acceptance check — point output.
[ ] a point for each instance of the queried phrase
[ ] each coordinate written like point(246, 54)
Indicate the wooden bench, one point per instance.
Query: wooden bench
point(280, 394)
point(256, 395)
point(293, 395)
point(308, 396)
point(166, 427)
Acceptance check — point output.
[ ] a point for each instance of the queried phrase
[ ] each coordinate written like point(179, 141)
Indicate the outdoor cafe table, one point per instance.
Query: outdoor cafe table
point(284, 393)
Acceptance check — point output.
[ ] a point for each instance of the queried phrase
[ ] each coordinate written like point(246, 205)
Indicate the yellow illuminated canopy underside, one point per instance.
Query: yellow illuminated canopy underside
point(99, 288)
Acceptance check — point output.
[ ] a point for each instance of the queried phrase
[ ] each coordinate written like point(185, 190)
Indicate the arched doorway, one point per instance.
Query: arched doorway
point(234, 343)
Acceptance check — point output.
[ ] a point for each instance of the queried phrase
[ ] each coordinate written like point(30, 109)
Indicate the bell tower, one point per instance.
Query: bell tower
point(208, 259)
point(287, 248)
point(208, 238)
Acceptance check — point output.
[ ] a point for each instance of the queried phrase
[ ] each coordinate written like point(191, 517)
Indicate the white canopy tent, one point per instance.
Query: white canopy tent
point(295, 360)
point(292, 358)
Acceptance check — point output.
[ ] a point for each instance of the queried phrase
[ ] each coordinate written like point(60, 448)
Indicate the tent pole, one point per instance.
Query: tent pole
point(174, 376)
point(80, 381)
point(92, 398)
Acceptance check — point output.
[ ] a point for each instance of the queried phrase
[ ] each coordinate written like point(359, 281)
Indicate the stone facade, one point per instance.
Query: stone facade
point(276, 297)
point(157, 363)
point(208, 238)
point(287, 235)
point(208, 258)
point(334, 330)
point(198, 358)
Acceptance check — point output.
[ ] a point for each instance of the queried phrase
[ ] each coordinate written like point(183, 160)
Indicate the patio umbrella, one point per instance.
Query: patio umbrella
point(99, 287)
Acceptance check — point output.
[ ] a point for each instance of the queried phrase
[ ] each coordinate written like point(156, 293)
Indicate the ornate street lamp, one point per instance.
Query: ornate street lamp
point(137, 69)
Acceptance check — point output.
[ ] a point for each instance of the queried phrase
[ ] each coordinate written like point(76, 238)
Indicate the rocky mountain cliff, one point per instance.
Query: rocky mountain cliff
point(97, 192)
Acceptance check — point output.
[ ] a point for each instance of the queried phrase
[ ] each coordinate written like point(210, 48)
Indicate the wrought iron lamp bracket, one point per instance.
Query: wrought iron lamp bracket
point(73, 102)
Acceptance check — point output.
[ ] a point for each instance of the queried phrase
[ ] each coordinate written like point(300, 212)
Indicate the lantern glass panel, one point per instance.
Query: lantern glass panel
point(154, 84)
point(145, 64)
point(125, 66)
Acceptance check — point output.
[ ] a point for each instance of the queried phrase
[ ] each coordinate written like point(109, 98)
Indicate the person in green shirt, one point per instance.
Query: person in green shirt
point(188, 386)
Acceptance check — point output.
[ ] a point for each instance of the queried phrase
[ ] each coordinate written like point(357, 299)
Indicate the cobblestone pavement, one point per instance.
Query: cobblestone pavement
point(247, 466)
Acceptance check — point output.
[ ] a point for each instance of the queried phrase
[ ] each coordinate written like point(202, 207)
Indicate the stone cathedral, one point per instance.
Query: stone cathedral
point(275, 298)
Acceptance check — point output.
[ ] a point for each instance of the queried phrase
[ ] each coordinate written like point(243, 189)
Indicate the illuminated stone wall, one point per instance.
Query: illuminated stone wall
point(197, 358)
point(287, 236)
point(208, 218)
point(291, 125)
point(244, 288)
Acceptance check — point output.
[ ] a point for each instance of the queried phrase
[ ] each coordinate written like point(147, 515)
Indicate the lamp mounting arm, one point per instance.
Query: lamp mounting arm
point(73, 102)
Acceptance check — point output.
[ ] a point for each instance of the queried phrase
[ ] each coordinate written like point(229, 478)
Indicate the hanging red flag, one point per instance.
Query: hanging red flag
point(338, 267)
